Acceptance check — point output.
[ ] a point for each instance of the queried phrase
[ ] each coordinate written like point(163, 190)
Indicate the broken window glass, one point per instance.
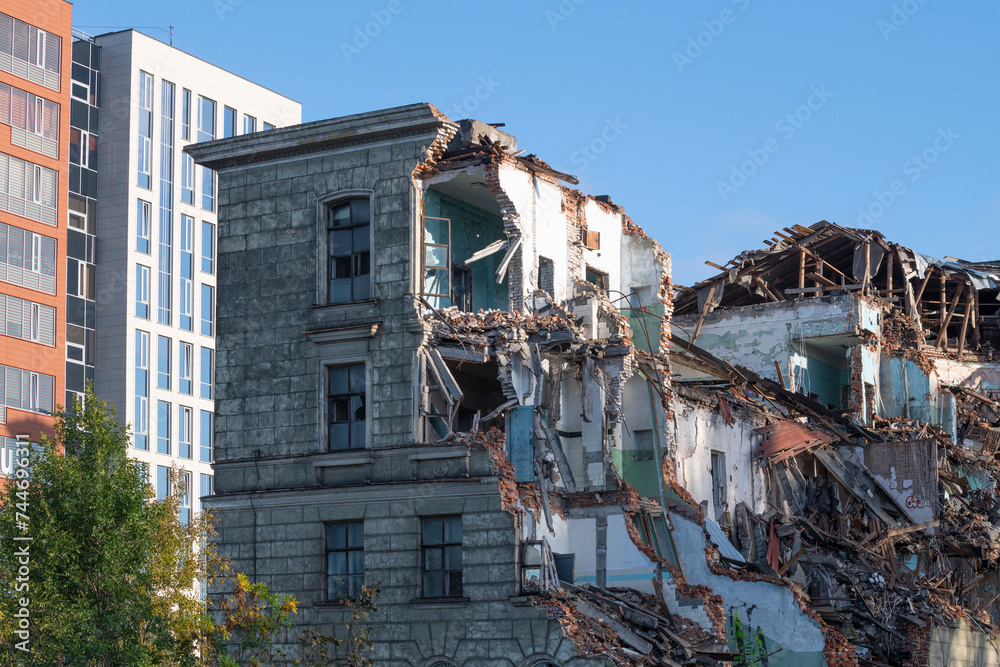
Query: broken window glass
point(349, 251)
point(347, 407)
point(436, 258)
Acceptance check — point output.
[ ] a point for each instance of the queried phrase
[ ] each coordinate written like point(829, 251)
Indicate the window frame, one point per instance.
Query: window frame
point(323, 243)
point(326, 400)
point(443, 546)
point(347, 549)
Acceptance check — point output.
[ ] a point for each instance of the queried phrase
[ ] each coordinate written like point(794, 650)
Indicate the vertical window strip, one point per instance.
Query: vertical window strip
point(140, 419)
point(142, 291)
point(164, 314)
point(184, 428)
point(144, 167)
point(163, 427)
point(207, 310)
point(207, 373)
point(207, 436)
point(187, 271)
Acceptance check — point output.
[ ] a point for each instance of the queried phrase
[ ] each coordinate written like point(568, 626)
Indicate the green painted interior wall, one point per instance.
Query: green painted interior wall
point(652, 320)
point(472, 229)
point(825, 381)
point(640, 474)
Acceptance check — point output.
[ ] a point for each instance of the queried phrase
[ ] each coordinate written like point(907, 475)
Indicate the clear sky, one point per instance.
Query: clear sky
point(714, 123)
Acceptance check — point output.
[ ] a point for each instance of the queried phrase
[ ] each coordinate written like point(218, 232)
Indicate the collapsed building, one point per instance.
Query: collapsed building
point(444, 371)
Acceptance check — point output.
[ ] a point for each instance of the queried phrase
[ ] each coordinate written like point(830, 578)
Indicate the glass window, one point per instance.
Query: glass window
point(163, 362)
point(185, 360)
point(163, 427)
point(442, 556)
point(187, 179)
point(142, 291)
point(349, 251)
point(228, 122)
point(145, 157)
point(207, 310)
point(206, 437)
point(166, 269)
point(207, 189)
point(249, 124)
point(184, 431)
point(187, 272)
point(206, 119)
point(207, 372)
point(142, 209)
point(207, 247)
point(141, 418)
point(345, 559)
point(346, 406)
point(162, 482)
point(268, 126)
point(186, 114)
point(206, 485)
point(184, 505)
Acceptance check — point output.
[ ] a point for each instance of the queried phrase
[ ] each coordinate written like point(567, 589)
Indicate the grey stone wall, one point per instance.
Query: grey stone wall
point(276, 483)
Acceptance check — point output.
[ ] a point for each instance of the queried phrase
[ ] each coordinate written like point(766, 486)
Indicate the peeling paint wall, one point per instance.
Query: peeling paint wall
point(699, 430)
point(962, 647)
point(757, 336)
point(976, 376)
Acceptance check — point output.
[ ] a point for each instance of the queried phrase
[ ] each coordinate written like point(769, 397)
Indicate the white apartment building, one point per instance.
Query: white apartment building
point(156, 245)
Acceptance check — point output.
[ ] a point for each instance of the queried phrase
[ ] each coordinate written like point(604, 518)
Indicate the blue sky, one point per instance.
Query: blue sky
point(713, 123)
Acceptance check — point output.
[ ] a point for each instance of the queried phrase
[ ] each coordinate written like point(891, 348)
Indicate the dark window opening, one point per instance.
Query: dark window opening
point(461, 290)
point(442, 557)
point(345, 560)
point(547, 275)
point(597, 278)
point(346, 395)
point(349, 251)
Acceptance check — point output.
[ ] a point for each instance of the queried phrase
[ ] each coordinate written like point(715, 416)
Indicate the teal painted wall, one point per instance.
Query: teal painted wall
point(472, 229)
point(825, 381)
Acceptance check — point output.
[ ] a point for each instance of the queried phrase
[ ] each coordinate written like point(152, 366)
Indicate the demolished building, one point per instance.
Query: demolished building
point(443, 370)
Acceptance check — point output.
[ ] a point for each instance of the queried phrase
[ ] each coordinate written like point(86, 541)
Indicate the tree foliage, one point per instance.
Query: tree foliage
point(116, 578)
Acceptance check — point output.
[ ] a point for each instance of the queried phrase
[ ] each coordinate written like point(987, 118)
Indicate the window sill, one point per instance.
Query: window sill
point(334, 605)
point(319, 306)
point(440, 603)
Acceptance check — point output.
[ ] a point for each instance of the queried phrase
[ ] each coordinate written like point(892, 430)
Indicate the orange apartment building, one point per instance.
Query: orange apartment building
point(35, 54)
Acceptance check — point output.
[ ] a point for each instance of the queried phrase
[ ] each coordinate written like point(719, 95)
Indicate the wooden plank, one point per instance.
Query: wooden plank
point(888, 271)
point(781, 377)
point(791, 561)
point(705, 310)
point(946, 318)
point(912, 529)
point(718, 266)
point(804, 290)
point(802, 269)
point(823, 280)
point(923, 285)
point(965, 326)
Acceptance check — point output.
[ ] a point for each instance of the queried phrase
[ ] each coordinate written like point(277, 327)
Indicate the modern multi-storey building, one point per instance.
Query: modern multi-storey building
point(34, 120)
point(156, 241)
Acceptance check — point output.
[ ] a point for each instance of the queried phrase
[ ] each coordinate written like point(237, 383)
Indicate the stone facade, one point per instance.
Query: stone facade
point(277, 484)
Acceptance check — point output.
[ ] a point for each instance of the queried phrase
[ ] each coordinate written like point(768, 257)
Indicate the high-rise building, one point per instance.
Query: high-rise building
point(156, 244)
point(34, 107)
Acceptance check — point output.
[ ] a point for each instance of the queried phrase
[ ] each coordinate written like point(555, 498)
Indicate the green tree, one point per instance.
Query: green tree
point(115, 577)
point(92, 592)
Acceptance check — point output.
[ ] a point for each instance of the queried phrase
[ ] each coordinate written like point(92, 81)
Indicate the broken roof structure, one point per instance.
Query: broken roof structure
point(876, 366)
